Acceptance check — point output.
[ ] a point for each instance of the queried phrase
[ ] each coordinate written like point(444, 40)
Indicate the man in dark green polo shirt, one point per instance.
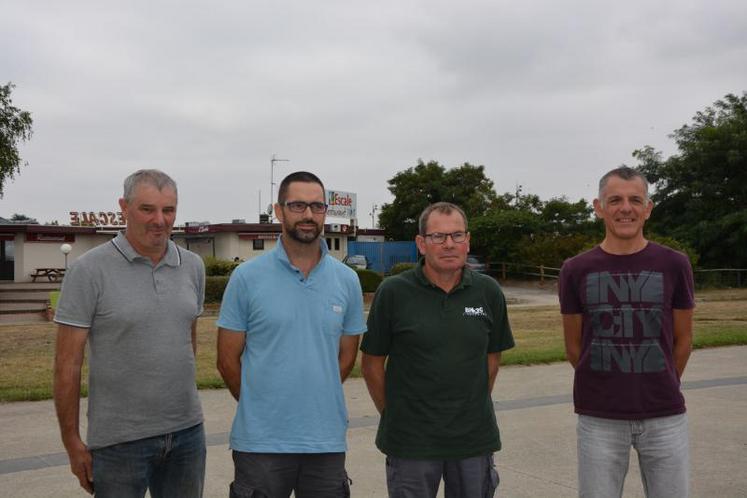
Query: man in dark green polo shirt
point(442, 328)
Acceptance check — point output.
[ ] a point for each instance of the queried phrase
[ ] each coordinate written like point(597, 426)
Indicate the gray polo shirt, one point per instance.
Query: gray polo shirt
point(141, 378)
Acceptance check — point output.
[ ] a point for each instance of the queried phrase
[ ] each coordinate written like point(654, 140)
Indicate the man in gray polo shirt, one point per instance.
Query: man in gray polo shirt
point(135, 300)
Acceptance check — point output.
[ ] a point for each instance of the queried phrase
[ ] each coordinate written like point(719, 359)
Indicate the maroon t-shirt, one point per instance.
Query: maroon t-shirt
point(626, 369)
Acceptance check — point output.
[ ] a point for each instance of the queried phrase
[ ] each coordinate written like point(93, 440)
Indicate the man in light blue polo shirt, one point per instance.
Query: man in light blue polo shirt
point(288, 336)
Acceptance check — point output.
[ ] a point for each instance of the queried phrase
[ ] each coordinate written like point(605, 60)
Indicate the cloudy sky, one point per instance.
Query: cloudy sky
point(546, 94)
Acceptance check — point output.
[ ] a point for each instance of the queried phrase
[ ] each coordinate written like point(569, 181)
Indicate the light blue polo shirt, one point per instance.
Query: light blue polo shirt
point(291, 397)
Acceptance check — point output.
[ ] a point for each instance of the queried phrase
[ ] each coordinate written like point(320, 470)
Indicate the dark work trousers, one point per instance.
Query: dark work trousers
point(276, 475)
point(473, 477)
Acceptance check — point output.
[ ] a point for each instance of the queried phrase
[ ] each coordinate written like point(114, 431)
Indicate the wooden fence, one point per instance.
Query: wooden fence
point(704, 277)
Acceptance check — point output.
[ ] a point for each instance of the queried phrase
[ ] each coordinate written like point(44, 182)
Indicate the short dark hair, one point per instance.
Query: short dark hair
point(153, 177)
point(625, 173)
point(298, 176)
point(443, 208)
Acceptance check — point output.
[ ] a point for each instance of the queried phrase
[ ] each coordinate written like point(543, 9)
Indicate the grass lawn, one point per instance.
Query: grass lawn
point(27, 351)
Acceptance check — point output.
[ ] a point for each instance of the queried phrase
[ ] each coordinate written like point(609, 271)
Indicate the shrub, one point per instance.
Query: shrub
point(54, 297)
point(215, 267)
point(215, 286)
point(370, 280)
point(400, 267)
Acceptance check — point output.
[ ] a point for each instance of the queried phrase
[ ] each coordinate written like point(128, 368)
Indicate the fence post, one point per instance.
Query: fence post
point(542, 274)
point(503, 271)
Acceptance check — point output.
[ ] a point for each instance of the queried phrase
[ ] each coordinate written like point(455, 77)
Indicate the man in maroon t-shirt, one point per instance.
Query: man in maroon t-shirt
point(627, 308)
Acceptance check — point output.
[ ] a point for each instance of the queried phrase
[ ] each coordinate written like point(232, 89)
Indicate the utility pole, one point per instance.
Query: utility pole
point(374, 207)
point(273, 160)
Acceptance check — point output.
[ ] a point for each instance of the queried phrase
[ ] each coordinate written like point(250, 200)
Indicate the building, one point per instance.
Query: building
point(24, 248)
point(248, 240)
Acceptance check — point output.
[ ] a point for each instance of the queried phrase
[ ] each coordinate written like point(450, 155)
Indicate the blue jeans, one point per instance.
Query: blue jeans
point(170, 466)
point(473, 477)
point(604, 452)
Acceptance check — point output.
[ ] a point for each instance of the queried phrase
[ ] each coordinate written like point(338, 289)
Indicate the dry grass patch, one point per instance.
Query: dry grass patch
point(27, 351)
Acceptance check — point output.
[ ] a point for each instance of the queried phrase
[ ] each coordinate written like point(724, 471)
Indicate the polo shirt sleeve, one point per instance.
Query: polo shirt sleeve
point(501, 338)
point(353, 323)
point(233, 307)
point(78, 297)
point(377, 340)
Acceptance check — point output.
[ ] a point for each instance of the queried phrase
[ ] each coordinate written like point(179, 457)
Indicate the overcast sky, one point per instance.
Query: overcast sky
point(546, 94)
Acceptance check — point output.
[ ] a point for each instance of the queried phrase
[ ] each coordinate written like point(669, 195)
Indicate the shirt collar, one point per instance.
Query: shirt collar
point(172, 257)
point(282, 256)
point(464, 281)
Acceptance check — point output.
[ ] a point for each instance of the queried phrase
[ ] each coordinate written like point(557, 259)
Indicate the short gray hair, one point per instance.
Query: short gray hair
point(625, 173)
point(153, 177)
point(440, 207)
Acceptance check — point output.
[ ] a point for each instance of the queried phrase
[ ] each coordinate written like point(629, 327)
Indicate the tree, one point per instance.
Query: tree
point(15, 126)
point(701, 192)
point(528, 230)
point(415, 188)
point(22, 218)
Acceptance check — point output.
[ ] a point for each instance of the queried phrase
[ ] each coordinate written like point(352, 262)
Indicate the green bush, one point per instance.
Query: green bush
point(370, 280)
point(215, 286)
point(54, 296)
point(400, 267)
point(215, 267)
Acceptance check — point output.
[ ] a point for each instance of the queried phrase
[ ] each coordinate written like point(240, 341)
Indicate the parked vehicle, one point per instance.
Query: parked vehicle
point(356, 261)
point(476, 263)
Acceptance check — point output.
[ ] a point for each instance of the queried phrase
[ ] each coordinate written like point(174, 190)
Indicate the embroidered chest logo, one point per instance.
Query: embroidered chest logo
point(470, 311)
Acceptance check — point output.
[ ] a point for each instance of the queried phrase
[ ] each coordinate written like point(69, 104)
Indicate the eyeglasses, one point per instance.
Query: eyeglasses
point(300, 206)
point(440, 238)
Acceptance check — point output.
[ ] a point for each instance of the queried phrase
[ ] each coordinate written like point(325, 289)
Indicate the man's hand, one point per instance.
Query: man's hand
point(81, 464)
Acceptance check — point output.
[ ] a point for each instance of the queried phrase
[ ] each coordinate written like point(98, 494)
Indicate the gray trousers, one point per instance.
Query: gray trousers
point(473, 477)
point(276, 475)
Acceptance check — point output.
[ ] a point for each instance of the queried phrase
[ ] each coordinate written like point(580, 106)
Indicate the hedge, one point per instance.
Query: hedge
point(215, 286)
point(370, 280)
point(215, 267)
point(400, 267)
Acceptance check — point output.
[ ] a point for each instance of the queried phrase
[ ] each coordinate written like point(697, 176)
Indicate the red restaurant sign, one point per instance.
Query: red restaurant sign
point(94, 219)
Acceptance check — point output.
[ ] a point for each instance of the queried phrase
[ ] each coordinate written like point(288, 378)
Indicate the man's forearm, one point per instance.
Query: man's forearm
point(374, 374)
point(67, 401)
point(230, 371)
point(348, 354)
point(681, 354)
point(494, 361)
point(683, 338)
point(572, 325)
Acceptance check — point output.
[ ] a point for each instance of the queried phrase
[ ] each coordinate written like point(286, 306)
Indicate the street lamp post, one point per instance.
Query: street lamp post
point(273, 160)
point(66, 248)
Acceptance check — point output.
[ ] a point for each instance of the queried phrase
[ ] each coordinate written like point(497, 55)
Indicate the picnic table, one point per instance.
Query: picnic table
point(51, 274)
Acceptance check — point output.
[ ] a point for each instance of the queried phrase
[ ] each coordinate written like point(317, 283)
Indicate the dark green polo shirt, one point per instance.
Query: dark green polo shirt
point(437, 400)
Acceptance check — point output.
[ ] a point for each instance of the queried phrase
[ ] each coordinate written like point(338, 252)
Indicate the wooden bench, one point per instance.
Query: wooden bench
point(51, 274)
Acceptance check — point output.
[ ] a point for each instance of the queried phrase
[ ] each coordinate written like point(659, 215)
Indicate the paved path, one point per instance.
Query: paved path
point(534, 410)
point(530, 295)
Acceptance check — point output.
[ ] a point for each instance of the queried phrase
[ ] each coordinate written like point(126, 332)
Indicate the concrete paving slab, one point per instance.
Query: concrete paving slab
point(535, 414)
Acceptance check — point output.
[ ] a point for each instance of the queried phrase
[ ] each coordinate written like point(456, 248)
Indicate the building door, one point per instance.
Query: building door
point(7, 259)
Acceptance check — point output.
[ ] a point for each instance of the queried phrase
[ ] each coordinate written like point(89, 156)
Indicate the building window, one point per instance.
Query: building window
point(337, 243)
point(329, 243)
point(258, 244)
